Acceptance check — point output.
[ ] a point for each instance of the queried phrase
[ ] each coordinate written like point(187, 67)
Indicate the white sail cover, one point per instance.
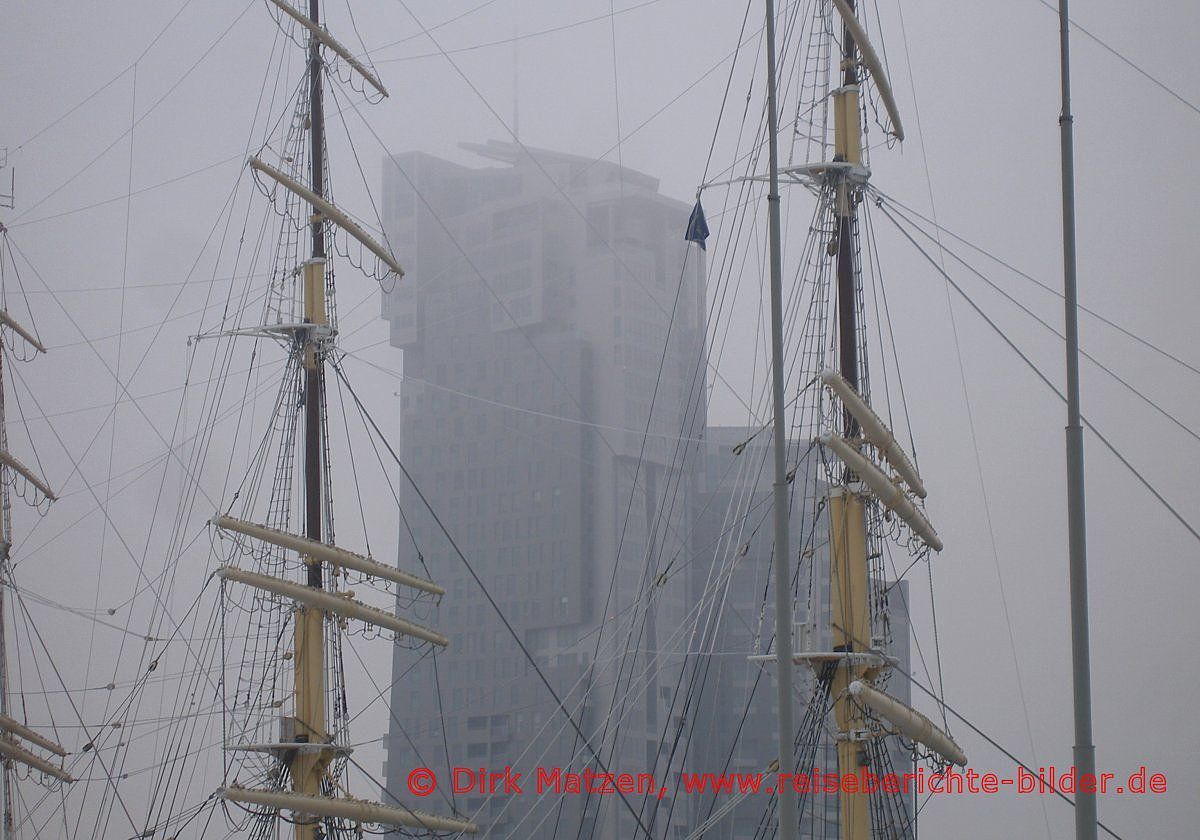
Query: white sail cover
point(874, 66)
point(888, 493)
point(329, 553)
point(333, 44)
point(11, 751)
point(7, 321)
point(332, 602)
point(329, 211)
point(29, 475)
point(15, 727)
point(874, 430)
point(348, 809)
point(910, 722)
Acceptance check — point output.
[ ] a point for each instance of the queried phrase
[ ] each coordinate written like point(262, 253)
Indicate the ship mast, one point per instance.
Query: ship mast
point(847, 147)
point(852, 665)
point(12, 731)
point(850, 624)
point(869, 475)
point(308, 768)
point(849, 616)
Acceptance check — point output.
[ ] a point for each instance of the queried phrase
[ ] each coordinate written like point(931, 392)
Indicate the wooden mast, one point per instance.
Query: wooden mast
point(308, 768)
point(850, 623)
point(854, 662)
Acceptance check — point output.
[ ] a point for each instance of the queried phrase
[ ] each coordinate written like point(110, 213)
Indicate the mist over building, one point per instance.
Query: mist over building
point(736, 725)
point(533, 317)
point(540, 291)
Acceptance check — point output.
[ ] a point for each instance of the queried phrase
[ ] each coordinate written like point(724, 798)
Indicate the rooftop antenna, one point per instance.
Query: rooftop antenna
point(7, 199)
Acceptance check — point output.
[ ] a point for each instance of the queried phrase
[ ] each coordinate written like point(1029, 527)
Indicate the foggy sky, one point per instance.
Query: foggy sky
point(978, 87)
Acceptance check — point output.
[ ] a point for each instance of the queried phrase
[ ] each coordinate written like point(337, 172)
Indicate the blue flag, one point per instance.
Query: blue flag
point(697, 228)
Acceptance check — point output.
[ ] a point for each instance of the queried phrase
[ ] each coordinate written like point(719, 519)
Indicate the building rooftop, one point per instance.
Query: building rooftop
point(514, 154)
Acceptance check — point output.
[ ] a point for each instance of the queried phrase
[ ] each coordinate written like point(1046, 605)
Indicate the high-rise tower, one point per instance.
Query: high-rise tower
point(552, 323)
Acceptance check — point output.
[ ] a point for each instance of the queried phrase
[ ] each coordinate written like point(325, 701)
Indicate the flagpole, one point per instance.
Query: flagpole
point(782, 553)
point(1084, 752)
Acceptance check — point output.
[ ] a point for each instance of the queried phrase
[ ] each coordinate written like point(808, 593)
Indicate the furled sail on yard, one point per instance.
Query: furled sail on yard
point(26, 751)
point(848, 497)
point(287, 614)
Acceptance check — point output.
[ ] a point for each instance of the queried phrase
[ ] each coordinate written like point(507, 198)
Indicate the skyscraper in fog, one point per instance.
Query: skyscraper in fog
point(551, 321)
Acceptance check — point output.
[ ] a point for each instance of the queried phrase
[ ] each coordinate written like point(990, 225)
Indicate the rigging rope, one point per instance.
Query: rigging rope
point(496, 607)
point(1046, 381)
